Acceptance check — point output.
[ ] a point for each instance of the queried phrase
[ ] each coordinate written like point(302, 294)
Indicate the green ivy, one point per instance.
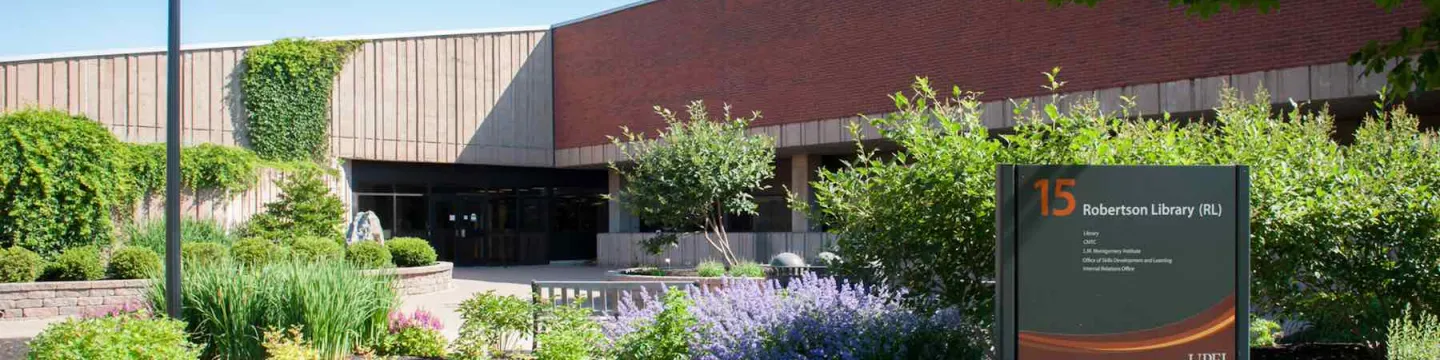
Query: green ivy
point(59, 180)
point(226, 169)
point(287, 91)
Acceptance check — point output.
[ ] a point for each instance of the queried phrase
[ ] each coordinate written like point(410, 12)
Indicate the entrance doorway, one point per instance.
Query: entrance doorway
point(487, 215)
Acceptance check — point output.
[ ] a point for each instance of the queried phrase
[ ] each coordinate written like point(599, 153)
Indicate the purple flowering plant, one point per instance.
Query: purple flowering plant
point(812, 318)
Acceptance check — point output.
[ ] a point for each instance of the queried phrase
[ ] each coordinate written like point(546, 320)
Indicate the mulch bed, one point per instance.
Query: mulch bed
point(1318, 352)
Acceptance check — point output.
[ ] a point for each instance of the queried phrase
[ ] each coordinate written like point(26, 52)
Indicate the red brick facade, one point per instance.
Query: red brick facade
point(808, 60)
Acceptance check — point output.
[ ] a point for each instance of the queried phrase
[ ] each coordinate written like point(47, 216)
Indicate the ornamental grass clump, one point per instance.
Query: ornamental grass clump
point(812, 318)
point(228, 306)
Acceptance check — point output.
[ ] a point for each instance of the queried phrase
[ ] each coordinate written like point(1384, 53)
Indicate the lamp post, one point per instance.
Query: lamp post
point(172, 165)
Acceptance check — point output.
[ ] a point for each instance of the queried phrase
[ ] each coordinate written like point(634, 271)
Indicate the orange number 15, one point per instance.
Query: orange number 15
point(1043, 185)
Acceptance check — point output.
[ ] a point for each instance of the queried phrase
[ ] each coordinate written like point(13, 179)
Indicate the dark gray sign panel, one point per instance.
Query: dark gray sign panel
point(1122, 262)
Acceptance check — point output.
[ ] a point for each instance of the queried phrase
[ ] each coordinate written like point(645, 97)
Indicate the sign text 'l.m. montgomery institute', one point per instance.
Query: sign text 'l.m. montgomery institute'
point(1122, 262)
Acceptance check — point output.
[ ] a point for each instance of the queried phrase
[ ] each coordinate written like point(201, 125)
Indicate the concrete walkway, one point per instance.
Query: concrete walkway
point(513, 280)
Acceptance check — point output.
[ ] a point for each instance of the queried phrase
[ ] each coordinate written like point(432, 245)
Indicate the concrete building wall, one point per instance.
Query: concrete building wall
point(802, 62)
point(474, 98)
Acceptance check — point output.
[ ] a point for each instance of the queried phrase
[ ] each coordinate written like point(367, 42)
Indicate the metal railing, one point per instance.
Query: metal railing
point(602, 297)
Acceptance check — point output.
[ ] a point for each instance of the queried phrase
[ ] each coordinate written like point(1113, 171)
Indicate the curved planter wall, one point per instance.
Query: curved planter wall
point(420, 279)
point(39, 300)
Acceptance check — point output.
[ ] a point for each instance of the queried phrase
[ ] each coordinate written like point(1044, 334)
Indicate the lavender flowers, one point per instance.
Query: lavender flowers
point(813, 318)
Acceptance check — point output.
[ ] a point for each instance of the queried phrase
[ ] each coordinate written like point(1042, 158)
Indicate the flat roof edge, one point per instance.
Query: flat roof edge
point(602, 13)
point(239, 44)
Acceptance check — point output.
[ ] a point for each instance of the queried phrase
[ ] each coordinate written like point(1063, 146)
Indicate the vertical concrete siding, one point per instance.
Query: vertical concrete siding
point(480, 98)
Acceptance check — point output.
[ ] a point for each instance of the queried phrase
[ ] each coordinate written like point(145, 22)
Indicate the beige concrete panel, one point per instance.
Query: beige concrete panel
point(1366, 85)
point(1329, 81)
point(27, 85)
point(105, 94)
point(1207, 91)
point(161, 79)
point(145, 95)
point(1289, 84)
point(45, 95)
point(1247, 84)
point(1176, 96)
point(1146, 97)
point(72, 87)
point(830, 131)
point(429, 90)
point(810, 131)
point(4, 86)
point(89, 88)
point(1109, 100)
point(791, 135)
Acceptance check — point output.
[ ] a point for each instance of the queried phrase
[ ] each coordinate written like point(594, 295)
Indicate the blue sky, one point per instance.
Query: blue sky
point(49, 26)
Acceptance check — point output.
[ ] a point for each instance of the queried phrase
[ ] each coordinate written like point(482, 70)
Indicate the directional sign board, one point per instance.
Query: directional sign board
point(1122, 262)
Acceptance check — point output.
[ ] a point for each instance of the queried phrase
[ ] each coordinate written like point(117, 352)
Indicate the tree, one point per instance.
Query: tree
point(1411, 62)
point(305, 208)
point(691, 176)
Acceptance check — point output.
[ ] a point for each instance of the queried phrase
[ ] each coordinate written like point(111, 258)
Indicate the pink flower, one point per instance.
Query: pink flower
point(418, 319)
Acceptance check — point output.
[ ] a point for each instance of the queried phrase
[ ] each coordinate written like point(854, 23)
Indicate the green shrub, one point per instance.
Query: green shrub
point(710, 269)
point(368, 255)
point(289, 345)
point(1336, 215)
point(133, 262)
point(668, 337)
point(748, 269)
point(306, 207)
point(62, 176)
point(204, 252)
point(1413, 336)
point(569, 334)
point(228, 305)
point(19, 265)
point(415, 341)
point(204, 167)
point(409, 251)
point(76, 264)
point(490, 323)
point(1264, 332)
point(114, 338)
point(310, 248)
point(256, 252)
point(151, 234)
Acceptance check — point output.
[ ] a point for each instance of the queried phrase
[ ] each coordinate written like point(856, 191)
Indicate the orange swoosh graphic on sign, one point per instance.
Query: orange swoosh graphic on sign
point(1135, 341)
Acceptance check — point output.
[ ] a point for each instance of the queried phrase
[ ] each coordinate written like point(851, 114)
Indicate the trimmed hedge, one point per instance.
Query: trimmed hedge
point(132, 262)
point(19, 265)
point(311, 248)
point(204, 253)
point(369, 255)
point(410, 252)
point(257, 252)
point(76, 264)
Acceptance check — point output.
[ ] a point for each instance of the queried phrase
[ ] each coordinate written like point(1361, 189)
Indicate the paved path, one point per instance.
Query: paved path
point(513, 280)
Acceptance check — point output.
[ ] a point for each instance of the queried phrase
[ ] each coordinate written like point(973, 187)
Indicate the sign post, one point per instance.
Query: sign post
point(1122, 262)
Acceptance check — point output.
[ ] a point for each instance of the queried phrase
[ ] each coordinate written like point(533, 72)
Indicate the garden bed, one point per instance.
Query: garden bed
point(40, 300)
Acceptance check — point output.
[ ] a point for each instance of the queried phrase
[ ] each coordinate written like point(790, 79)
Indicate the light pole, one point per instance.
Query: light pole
point(172, 165)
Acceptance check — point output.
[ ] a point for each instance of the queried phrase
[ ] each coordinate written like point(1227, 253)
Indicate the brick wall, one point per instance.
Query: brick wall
point(807, 60)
